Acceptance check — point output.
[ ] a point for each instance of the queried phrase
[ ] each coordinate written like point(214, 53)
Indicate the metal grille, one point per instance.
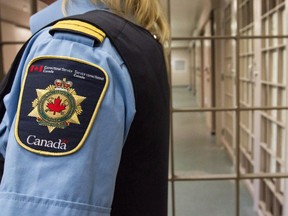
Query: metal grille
point(254, 129)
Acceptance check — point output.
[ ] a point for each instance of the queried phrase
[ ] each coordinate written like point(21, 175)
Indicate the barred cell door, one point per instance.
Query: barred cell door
point(248, 82)
point(229, 85)
point(273, 130)
point(263, 97)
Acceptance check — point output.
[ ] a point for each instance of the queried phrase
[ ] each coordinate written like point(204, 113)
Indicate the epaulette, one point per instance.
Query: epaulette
point(79, 27)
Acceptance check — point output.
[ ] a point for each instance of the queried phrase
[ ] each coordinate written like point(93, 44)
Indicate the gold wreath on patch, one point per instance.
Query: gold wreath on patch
point(57, 106)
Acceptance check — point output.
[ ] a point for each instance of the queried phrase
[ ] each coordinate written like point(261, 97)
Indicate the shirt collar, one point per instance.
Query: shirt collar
point(54, 12)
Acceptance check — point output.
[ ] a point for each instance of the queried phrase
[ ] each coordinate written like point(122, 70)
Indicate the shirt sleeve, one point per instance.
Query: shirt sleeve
point(45, 16)
point(10, 103)
point(85, 179)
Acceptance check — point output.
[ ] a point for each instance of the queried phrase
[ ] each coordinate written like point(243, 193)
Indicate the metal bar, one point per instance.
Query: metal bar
point(202, 73)
point(219, 109)
point(213, 73)
point(33, 6)
point(194, 70)
point(240, 37)
point(180, 178)
point(14, 23)
point(238, 113)
point(4, 43)
point(263, 175)
point(234, 177)
point(172, 162)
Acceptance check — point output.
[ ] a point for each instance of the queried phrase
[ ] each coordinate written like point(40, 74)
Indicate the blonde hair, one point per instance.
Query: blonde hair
point(146, 13)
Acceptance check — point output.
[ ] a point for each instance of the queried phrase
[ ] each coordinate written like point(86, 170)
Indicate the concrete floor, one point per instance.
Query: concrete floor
point(196, 153)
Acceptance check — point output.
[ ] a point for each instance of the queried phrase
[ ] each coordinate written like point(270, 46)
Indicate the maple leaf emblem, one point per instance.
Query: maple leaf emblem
point(56, 106)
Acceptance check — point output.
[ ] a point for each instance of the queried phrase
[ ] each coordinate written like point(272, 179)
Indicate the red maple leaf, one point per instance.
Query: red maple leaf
point(56, 107)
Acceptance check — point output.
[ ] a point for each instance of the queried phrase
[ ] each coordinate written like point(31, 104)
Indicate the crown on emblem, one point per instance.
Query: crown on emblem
point(63, 84)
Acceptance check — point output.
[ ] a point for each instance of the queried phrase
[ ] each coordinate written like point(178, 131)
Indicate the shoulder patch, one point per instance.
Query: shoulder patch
point(58, 104)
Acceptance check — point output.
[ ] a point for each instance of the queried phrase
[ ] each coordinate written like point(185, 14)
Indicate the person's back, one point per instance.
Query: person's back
point(91, 129)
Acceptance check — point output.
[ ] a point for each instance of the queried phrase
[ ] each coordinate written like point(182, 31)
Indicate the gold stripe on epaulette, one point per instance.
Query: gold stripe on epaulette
point(81, 27)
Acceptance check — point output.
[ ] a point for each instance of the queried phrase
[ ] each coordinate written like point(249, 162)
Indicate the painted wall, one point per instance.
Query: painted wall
point(181, 69)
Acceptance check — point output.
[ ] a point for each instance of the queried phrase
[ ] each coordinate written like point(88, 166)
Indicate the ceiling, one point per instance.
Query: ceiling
point(186, 15)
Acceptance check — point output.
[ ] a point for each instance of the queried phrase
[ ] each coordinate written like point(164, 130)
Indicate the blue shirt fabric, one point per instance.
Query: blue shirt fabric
point(54, 12)
point(80, 184)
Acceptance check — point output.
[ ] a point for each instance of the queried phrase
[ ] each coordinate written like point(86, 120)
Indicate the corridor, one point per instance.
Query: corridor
point(196, 153)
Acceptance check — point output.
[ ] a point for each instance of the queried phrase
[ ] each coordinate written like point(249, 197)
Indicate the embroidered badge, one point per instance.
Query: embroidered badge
point(57, 106)
point(59, 102)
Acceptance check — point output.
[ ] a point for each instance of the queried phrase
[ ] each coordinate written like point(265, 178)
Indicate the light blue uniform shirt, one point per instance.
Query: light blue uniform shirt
point(80, 184)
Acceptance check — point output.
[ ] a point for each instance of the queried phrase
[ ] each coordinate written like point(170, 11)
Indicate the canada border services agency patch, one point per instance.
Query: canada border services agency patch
point(59, 101)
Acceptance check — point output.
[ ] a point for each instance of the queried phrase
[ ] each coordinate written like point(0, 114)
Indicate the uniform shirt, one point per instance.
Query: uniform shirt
point(54, 12)
point(82, 183)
